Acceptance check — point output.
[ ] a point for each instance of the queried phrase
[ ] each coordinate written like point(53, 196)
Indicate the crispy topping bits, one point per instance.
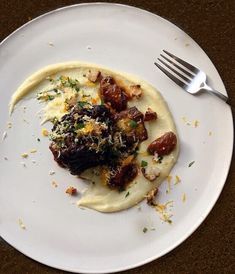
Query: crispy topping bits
point(93, 76)
point(51, 172)
point(163, 145)
point(9, 125)
point(177, 179)
point(151, 196)
point(164, 211)
point(150, 115)
point(184, 198)
point(45, 132)
point(51, 44)
point(135, 91)
point(21, 224)
point(54, 184)
point(24, 155)
point(193, 123)
point(71, 191)
point(150, 173)
point(190, 164)
point(209, 133)
point(33, 150)
point(145, 229)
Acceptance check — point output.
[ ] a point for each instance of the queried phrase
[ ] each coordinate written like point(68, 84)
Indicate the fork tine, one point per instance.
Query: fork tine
point(182, 62)
point(175, 71)
point(177, 66)
point(171, 76)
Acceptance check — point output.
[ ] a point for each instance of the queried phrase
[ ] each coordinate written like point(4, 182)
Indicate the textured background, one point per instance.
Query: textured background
point(211, 249)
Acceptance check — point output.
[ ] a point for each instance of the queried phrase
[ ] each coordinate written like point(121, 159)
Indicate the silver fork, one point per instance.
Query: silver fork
point(190, 78)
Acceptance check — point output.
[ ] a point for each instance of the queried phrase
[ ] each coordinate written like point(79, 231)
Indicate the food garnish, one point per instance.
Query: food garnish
point(71, 191)
point(190, 164)
point(145, 229)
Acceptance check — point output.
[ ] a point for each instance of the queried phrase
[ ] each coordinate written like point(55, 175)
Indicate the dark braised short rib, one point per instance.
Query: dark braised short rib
point(92, 136)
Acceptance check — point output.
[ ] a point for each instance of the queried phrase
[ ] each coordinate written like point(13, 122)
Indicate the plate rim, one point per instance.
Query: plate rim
point(209, 206)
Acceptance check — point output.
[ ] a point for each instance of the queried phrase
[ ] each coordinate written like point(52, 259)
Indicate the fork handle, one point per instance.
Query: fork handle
point(216, 93)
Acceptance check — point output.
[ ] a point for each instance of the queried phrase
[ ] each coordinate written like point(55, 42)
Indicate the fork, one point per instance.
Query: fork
point(190, 78)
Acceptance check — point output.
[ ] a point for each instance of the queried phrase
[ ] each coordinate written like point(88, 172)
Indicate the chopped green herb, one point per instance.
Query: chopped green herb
point(144, 163)
point(128, 193)
point(79, 126)
point(145, 229)
point(69, 82)
point(102, 102)
point(81, 104)
point(190, 164)
point(50, 97)
point(38, 140)
point(133, 124)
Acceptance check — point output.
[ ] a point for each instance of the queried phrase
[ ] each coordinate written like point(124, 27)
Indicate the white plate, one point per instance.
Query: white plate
point(58, 233)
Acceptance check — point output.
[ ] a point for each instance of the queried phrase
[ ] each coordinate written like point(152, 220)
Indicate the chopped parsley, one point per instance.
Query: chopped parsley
point(144, 163)
point(133, 124)
point(79, 126)
point(38, 140)
point(50, 97)
point(190, 164)
point(69, 82)
point(145, 229)
point(81, 104)
point(128, 193)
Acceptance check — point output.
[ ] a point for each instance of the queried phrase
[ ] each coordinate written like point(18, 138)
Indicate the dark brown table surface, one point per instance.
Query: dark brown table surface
point(211, 248)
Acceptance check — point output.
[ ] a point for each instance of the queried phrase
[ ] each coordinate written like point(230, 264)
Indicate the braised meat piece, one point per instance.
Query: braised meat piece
point(122, 175)
point(81, 139)
point(111, 93)
point(131, 122)
point(150, 115)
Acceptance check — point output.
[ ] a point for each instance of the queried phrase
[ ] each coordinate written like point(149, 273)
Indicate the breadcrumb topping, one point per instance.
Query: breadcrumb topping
point(45, 132)
point(24, 155)
point(177, 179)
point(21, 224)
point(54, 184)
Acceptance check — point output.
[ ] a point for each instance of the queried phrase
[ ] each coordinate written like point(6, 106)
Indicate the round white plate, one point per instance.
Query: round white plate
point(58, 233)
